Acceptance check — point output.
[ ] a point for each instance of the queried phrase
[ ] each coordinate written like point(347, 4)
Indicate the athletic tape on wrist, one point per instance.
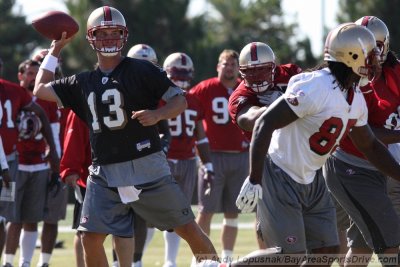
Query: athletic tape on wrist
point(230, 222)
point(49, 63)
point(202, 141)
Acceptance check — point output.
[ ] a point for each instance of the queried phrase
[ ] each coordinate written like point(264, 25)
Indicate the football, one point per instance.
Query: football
point(53, 23)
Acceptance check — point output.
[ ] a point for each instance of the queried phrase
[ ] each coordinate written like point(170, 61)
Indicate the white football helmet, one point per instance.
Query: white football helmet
point(257, 66)
point(380, 31)
point(106, 18)
point(179, 68)
point(143, 51)
point(354, 46)
point(29, 125)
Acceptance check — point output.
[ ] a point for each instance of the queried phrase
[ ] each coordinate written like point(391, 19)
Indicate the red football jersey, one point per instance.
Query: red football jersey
point(13, 99)
point(77, 156)
point(32, 151)
point(383, 99)
point(182, 130)
point(62, 115)
point(223, 135)
point(244, 96)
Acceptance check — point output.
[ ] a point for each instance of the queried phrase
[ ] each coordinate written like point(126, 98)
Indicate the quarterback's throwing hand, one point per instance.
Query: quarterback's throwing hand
point(248, 196)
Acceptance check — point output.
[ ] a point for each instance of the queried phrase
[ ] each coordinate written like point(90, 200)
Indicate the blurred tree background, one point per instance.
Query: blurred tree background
point(387, 11)
point(165, 26)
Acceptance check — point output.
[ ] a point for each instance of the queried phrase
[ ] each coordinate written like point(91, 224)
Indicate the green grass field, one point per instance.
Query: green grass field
point(154, 255)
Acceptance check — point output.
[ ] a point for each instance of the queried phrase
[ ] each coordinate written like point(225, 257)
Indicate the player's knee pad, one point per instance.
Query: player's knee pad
point(230, 222)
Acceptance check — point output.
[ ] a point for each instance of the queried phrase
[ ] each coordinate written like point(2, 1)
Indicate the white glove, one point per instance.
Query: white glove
point(248, 196)
point(268, 97)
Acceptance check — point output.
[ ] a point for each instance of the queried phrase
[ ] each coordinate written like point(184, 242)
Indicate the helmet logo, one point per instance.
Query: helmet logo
point(365, 21)
point(107, 14)
point(253, 52)
point(292, 99)
point(183, 58)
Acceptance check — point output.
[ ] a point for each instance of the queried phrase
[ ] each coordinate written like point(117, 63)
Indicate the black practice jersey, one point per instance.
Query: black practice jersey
point(105, 103)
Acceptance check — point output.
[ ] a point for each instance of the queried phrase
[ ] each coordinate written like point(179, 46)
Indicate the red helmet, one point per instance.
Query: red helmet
point(257, 66)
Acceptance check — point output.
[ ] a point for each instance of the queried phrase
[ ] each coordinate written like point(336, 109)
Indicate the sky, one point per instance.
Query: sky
point(308, 13)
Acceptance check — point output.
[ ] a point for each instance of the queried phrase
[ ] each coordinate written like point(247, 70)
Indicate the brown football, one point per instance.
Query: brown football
point(53, 23)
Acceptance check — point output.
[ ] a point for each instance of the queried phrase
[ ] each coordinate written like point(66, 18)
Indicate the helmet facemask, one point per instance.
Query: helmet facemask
point(258, 77)
point(103, 45)
point(180, 76)
point(372, 69)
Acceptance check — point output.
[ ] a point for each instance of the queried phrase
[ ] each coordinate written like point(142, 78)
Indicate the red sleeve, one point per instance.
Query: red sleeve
point(284, 72)
point(76, 157)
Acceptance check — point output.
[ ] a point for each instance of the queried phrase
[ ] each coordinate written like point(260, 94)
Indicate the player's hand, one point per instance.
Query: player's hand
point(248, 197)
point(6, 178)
point(146, 117)
point(71, 179)
point(268, 97)
point(164, 143)
point(57, 45)
point(208, 180)
point(54, 184)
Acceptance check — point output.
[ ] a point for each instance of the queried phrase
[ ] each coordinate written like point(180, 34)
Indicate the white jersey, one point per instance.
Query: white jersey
point(325, 116)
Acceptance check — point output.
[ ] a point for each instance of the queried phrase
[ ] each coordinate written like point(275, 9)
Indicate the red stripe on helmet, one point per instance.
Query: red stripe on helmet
point(253, 52)
point(183, 60)
point(365, 21)
point(107, 13)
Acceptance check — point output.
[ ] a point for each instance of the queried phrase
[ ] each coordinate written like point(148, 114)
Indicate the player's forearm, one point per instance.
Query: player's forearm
point(43, 77)
point(204, 152)
point(259, 145)
point(381, 158)
point(3, 158)
point(387, 136)
point(247, 120)
point(173, 108)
